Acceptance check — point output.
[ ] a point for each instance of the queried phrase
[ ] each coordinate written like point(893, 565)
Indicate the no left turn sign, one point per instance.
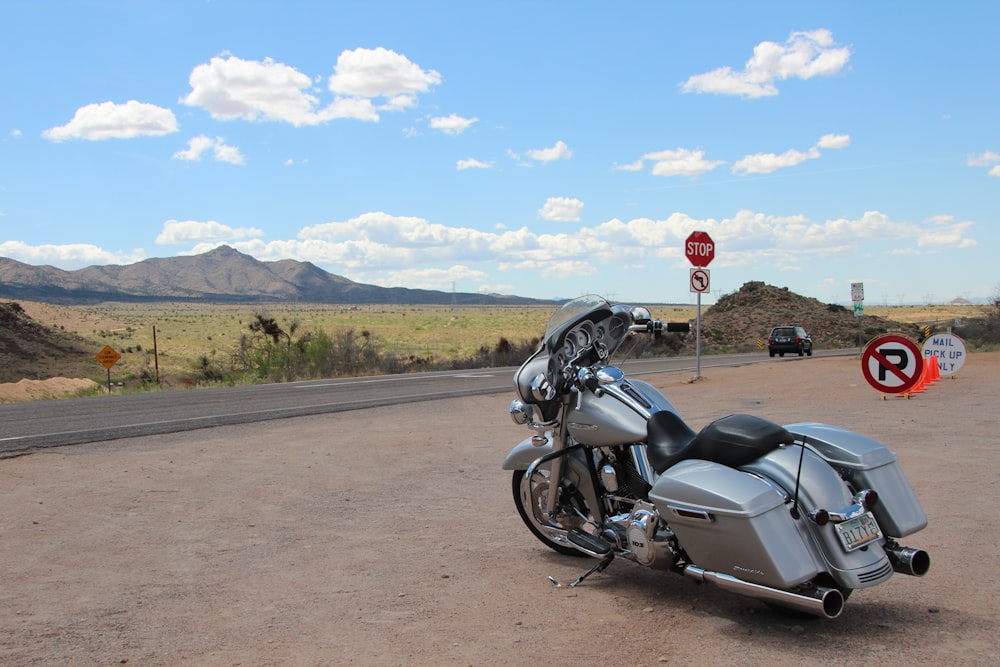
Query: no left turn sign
point(892, 364)
point(700, 280)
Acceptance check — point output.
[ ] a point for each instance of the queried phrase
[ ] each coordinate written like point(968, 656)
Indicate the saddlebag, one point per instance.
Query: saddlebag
point(734, 523)
point(867, 464)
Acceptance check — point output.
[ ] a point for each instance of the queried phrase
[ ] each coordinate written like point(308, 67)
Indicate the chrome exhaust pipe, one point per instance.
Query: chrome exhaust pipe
point(909, 560)
point(825, 602)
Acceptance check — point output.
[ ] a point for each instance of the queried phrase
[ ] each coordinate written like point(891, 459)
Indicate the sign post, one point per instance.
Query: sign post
point(858, 297)
point(108, 357)
point(699, 248)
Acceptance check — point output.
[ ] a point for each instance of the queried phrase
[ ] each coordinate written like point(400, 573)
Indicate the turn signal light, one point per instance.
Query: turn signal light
point(820, 517)
point(868, 498)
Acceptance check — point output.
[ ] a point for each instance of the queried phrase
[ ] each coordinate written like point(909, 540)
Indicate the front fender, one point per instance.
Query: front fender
point(524, 454)
point(576, 470)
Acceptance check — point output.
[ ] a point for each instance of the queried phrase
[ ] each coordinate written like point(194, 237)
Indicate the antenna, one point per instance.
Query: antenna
point(798, 476)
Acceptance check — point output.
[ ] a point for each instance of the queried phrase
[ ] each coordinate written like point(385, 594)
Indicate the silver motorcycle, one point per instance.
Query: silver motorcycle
point(797, 516)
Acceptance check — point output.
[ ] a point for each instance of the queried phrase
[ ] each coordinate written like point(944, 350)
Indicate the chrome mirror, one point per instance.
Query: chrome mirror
point(641, 315)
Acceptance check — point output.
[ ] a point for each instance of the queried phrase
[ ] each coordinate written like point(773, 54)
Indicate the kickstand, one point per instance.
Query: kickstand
point(597, 568)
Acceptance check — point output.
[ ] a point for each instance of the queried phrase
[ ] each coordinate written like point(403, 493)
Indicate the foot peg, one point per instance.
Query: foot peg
point(588, 544)
point(592, 546)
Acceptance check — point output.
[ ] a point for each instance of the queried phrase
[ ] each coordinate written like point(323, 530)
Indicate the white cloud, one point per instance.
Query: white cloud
point(766, 163)
point(802, 56)
point(680, 162)
point(453, 124)
point(433, 278)
point(15, 134)
point(560, 151)
point(231, 88)
point(226, 153)
point(375, 245)
point(193, 231)
point(834, 141)
point(631, 166)
point(561, 209)
point(947, 233)
point(67, 256)
point(473, 163)
point(986, 159)
point(380, 73)
point(198, 146)
point(107, 120)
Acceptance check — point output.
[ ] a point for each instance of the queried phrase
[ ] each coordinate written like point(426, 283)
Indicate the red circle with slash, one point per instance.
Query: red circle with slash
point(892, 364)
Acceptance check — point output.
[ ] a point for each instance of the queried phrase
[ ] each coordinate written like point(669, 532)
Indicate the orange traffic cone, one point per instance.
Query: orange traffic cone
point(935, 370)
point(923, 381)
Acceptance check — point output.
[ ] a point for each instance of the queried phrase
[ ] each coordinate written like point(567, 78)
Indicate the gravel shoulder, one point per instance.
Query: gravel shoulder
point(389, 537)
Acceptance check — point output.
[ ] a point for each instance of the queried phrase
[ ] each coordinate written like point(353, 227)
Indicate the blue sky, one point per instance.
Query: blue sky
point(544, 149)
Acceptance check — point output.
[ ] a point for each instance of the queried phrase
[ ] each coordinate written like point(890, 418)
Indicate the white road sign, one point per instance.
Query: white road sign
point(699, 279)
point(949, 351)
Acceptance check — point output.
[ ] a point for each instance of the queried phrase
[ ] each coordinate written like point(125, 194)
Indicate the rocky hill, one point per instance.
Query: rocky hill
point(738, 320)
point(222, 275)
point(29, 349)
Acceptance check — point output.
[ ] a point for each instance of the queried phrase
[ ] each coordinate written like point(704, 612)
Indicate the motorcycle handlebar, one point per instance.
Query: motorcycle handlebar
point(658, 326)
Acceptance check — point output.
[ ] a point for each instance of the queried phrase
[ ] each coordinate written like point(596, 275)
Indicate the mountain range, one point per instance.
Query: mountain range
point(222, 275)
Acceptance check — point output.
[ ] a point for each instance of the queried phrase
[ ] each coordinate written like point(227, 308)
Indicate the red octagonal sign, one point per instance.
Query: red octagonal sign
point(699, 248)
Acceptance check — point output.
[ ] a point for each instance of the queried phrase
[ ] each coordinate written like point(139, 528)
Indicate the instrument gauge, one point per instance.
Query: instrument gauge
point(569, 347)
point(616, 327)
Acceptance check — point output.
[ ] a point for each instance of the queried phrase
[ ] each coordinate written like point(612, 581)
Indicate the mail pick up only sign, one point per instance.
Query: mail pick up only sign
point(947, 349)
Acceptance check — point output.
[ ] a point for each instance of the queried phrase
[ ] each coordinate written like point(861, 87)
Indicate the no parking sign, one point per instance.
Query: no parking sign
point(892, 364)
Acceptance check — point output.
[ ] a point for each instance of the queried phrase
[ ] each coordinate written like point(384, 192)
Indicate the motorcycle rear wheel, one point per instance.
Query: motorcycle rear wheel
point(530, 501)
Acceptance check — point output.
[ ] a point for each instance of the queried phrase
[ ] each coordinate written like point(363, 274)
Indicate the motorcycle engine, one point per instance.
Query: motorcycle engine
point(648, 542)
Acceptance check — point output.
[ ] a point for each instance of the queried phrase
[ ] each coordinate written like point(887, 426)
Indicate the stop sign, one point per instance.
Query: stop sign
point(699, 248)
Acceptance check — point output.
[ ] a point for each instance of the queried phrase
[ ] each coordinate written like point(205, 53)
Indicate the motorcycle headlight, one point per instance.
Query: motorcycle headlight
point(519, 412)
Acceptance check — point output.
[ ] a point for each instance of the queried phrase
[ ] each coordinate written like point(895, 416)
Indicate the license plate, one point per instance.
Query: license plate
point(858, 532)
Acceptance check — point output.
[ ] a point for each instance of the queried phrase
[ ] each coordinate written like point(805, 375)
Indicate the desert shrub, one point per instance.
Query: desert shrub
point(982, 333)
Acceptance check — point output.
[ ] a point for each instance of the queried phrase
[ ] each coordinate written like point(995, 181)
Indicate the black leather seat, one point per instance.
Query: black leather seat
point(732, 441)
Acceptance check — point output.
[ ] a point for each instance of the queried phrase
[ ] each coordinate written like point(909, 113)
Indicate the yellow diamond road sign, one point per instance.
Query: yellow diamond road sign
point(108, 356)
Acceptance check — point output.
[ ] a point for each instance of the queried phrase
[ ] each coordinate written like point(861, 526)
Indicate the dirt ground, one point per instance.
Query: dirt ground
point(33, 390)
point(389, 537)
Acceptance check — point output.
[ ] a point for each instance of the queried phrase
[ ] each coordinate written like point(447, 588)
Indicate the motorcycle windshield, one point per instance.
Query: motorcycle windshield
point(572, 312)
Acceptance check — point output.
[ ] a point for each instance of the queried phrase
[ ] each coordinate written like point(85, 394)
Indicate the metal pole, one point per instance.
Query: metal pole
point(156, 357)
point(697, 342)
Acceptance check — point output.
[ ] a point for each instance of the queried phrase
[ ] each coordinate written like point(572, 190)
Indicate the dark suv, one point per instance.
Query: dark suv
point(789, 339)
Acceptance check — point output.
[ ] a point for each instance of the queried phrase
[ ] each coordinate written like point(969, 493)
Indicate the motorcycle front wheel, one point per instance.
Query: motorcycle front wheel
point(531, 499)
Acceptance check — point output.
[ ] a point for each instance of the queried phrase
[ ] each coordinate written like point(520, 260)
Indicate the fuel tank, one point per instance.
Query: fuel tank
point(615, 415)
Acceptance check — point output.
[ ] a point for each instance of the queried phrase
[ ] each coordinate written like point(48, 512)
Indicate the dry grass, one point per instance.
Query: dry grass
point(187, 332)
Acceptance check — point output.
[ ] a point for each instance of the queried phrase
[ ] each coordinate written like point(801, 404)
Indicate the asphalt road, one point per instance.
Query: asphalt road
point(26, 426)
